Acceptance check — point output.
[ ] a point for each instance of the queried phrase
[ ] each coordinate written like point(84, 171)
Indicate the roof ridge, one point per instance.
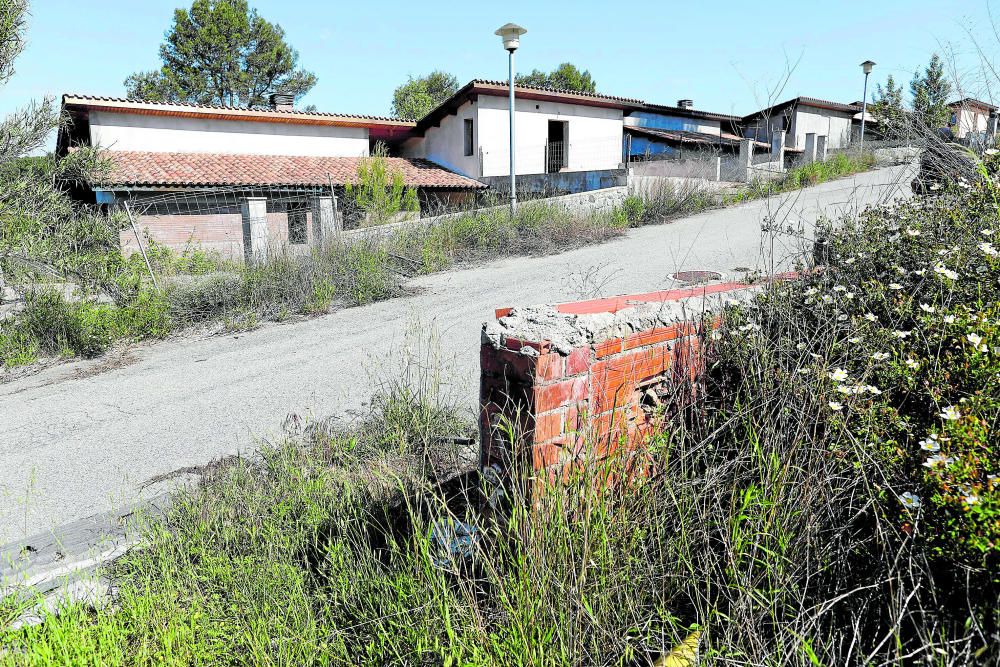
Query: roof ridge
point(565, 91)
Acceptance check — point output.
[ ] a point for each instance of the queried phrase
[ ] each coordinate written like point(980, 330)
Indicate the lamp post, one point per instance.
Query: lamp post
point(867, 67)
point(511, 35)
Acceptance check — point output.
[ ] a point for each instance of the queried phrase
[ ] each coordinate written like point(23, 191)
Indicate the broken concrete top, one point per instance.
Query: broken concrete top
point(569, 326)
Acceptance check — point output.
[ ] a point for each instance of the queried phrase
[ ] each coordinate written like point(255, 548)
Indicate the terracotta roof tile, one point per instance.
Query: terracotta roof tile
point(133, 168)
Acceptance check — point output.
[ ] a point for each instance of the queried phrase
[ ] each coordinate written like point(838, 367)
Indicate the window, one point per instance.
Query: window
point(468, 136)
point(298, 232)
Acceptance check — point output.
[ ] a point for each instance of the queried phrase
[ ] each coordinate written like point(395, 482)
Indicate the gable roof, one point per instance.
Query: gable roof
point(804, 101)
point(131, 169)
point(972, 102)
point(501, 88)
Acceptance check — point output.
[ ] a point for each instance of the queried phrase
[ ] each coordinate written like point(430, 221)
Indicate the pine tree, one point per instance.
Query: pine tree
point(930, 92)
point(887, 108)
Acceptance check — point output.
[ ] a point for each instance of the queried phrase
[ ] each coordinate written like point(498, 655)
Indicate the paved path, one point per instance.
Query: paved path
point(81, 439)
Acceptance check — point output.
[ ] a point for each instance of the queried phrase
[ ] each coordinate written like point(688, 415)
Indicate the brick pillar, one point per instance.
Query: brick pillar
point(569, 407)
point(746, 159)
point(821, 148)
point(255, 241)
point(810, 155)
point(326, 224)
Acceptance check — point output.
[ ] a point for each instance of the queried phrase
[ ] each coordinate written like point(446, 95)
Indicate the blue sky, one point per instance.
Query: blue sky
point(724, 55)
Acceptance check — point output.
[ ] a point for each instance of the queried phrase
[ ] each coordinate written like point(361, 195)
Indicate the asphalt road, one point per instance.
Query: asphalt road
point(87, 438)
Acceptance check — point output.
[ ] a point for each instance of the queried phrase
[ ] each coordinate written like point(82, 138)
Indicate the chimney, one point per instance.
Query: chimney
point(684, 104)
point(281, 101)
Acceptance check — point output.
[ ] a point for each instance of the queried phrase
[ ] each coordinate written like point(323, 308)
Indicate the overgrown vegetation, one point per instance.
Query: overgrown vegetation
point(837, 165)
point(833, 499)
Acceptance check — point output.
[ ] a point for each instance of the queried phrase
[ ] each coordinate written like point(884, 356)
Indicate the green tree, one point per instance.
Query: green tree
point(930, 92)
point(418, 96)
point(565, 77)
point(222, 52)
point(887, 107)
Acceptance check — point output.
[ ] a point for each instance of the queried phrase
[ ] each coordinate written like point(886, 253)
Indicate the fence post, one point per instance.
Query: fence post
point(746, 159)
point(324, 220)
point(810, 155)
point(778, 149)
point(821, 148)
point(255, 241)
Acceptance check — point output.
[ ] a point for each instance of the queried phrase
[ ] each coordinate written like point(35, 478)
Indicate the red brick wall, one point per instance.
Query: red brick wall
point(218, 232)
point(607, 398)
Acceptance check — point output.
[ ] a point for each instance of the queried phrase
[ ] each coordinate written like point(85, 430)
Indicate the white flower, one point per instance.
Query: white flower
point(929, 445)
point(842, 318)
point(838, 375)
point(949, 319)
point(920, 272)
point(873, 390)
point(941, 269)
point(880, 356)
point(803, 371)
point(912, 232)
point(854, 341)
point(975, 339)
point(988, 248)
point(986, 232)
point(950, 413)
point(850, 260)
point(849, 295)
point(845, 390)
point(938, 460)
point(910, 501)
point(800, 346)
point(901, 334)
point(811, 291)
point(716, 334)
point(927, 308)
point(971, 499)
point(839, 288)
point(871, 317)
point(912, 363)
point(827, 298)
point(935, 186)
point(895, 286)
point(835, 406)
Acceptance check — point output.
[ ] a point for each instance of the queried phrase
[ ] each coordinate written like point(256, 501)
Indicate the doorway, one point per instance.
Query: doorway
point(557, 147)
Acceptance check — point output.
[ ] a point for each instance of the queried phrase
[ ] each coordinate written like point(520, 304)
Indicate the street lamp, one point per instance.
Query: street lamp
point(867, 67)
point(511, 35)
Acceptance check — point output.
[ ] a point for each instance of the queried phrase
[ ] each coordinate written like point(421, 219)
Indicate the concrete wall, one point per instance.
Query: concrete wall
point(708, 169)
point(836, 125)
point(134, 132)
point(968, 119)
point(594, 135)
point(563, 182)
point(445, 144)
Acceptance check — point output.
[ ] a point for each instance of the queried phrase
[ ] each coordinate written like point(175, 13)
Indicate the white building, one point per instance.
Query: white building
point(233, 157)
point(557, 132)
point(800, 116)
point(971, 116)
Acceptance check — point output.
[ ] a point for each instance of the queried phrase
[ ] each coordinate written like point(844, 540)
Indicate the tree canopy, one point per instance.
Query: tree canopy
point(887, 107)
point(222, 52)
point(565, 77)
point(930, 92)
point(419, 95)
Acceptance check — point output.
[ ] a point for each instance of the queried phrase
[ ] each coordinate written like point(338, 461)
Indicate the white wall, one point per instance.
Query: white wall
point(836, 125)
point(594, 135)
point(134, 132)
point(969, 119)
point(445, 144)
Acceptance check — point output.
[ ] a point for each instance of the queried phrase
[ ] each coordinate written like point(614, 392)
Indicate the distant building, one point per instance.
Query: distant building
point(800, 116)
point(656, 131)
point(970, 119)
point(159, 148)
point(565, 140)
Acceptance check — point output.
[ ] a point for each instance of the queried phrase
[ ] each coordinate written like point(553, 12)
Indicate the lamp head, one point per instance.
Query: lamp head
point(511, 35)
point(867, 66)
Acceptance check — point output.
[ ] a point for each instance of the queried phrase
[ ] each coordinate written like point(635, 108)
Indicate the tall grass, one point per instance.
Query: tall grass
point(797, 515)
